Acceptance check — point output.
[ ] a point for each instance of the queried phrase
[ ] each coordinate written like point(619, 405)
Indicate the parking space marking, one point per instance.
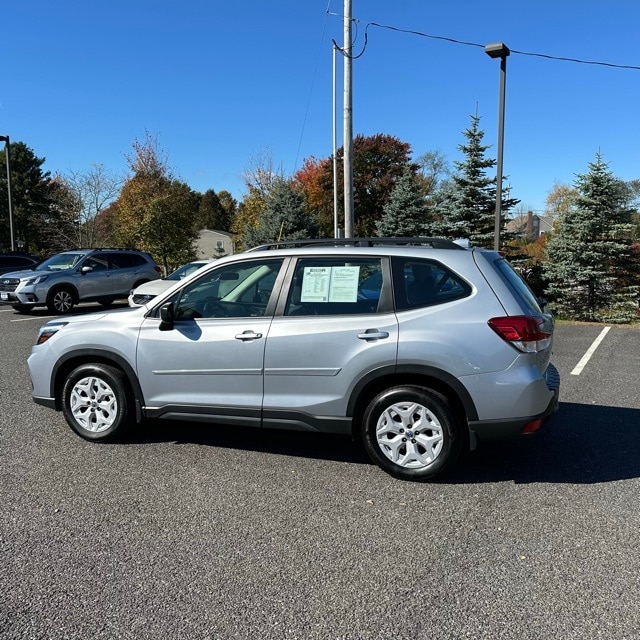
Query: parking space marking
point(36, 318)
point(590, 351)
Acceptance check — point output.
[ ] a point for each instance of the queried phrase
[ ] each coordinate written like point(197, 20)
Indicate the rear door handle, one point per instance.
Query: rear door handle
point(373, 334)
point(248, 335)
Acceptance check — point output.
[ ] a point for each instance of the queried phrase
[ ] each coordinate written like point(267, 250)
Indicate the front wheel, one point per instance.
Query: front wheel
point(411, 432)
point(60, 301)
point(96, 403)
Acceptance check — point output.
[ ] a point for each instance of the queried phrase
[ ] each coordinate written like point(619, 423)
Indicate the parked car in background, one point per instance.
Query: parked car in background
point(444, 348)
point(16, 261)
point(82, 275)
point(149, 290)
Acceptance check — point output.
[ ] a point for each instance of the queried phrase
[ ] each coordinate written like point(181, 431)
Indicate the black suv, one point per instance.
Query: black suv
point(17, 261)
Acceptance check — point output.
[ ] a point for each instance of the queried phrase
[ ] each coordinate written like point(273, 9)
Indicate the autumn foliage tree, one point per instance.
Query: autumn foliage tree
point(378, 162)
point(156, 212)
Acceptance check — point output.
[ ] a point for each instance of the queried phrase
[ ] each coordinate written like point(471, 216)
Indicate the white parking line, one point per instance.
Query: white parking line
point(32, 318)
point(590, 351)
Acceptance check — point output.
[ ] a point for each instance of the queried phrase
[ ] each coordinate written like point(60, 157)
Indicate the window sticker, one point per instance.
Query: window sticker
point(344, 284)
point(315, 284)
point(330, 284)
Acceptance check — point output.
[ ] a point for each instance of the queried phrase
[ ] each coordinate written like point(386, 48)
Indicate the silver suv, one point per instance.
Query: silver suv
point(419, 348)
point(83, 275)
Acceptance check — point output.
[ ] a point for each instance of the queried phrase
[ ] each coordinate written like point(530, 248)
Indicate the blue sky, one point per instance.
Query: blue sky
point(221, 83)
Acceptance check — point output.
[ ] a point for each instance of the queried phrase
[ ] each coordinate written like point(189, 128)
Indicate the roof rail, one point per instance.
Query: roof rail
point(103, 249)
point(436, 243)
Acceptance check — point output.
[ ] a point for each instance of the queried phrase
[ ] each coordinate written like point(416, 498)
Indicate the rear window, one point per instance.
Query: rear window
point(424, 283)
point(518, 285)
point(126, 260)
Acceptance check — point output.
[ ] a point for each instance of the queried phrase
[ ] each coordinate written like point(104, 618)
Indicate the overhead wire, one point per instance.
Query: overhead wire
point(313, 80)
point(481, 46)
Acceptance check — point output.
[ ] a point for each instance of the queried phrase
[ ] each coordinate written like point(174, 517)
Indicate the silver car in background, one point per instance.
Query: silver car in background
point(418, 348)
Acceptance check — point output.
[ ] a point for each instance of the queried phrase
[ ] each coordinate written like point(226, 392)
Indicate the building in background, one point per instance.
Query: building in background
point(214, 244)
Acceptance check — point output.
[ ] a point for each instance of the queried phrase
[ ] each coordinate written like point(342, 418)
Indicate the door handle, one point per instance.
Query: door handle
point(373, 334)
point(248, 335)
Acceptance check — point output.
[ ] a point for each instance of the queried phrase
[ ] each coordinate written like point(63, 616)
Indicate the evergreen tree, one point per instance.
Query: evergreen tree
point(468, 210)
point(283, 217)
point(36, 212)
point(405, 214)
point(592, 268)
point(212, 212)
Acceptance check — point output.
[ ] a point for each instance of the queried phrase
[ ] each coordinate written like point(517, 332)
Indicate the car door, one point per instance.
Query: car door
point(210, 363)
point(96, 282)
point(336, 327)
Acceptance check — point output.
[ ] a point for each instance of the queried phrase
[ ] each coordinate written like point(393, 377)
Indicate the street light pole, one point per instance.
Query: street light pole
point(5, 139)
point(499, 50)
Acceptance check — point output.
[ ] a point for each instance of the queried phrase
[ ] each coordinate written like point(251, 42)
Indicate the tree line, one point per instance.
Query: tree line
point(587, 266)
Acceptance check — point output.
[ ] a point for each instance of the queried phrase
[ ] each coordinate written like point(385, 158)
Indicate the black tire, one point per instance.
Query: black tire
point(411, 432)
point(61, 300)
point(22, 308)
point(96, 402)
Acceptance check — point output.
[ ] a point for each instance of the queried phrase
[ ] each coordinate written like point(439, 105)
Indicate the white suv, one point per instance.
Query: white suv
point(417, 347)
point(82, 275)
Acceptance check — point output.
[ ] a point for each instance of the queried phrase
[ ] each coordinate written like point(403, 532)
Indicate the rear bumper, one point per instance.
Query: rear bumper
point(515, 427)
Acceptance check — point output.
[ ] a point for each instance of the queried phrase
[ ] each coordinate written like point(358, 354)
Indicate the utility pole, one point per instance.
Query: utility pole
point(335, 147)
point(348, 125)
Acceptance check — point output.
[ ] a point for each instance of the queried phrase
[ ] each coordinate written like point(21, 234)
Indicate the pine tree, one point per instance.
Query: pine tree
point(468, 210)
point(405, 214)
point(592, 268)
point(283, 217)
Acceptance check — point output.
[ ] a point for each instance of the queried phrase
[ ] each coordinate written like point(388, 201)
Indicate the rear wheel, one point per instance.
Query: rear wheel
point(96, 402)
point(61, 300)
point(411, 432)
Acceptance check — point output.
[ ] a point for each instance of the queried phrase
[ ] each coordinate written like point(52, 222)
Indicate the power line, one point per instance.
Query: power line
point(313, 81)
point(481, 46)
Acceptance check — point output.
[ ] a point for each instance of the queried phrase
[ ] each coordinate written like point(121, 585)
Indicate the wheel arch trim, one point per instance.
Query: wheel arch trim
point(404, 371)
point(69, 361)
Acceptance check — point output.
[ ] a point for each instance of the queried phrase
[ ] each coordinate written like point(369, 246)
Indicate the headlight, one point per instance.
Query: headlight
point(36, 280)
point(49, 330)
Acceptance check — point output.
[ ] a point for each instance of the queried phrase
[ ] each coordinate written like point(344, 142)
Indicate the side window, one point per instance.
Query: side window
point(15, 262)
point(330, 286)
point(232, 291)
point(125, 260)
point(98, 262)
point(423, 283)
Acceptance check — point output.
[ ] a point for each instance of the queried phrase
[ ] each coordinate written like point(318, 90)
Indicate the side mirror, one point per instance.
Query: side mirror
point(167, 317)
point(85, 270)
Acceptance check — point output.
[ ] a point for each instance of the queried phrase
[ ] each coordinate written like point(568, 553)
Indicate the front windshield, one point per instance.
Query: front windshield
point(60, 262)
point(184, 271)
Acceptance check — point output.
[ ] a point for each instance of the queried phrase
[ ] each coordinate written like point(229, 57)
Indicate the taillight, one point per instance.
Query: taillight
point(525, 333)
point(158, 269)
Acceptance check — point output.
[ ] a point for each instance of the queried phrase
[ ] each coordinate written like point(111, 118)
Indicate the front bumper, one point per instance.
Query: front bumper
point(22, 298)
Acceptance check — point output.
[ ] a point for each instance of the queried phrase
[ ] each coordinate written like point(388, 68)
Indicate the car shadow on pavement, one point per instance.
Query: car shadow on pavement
point(302, 444)
point(584, 444)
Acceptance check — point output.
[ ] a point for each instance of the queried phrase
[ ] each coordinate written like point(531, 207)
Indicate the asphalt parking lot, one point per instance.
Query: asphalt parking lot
point(189, 531)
